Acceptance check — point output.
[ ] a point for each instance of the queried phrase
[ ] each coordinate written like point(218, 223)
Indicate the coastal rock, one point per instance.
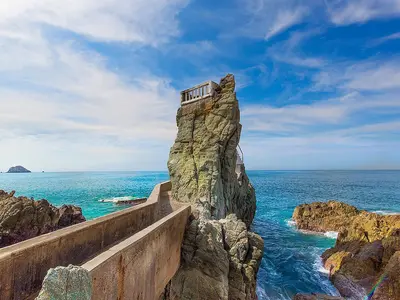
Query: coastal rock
point(202, 161)
point(18, 169)
point(22, 218)
point(220, 256)
point(324, 216)
point(366, 248)
point(67, 283)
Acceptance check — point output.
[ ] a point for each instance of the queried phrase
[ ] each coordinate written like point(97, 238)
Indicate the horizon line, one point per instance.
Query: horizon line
point(269, 170)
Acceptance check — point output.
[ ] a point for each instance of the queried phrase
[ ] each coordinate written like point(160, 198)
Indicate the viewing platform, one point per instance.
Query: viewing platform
point(198, 92)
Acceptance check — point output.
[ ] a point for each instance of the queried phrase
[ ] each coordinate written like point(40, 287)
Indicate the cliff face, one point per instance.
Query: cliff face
point(220, 256)
point(22, 218)
point(202, 160)
point(366, 251)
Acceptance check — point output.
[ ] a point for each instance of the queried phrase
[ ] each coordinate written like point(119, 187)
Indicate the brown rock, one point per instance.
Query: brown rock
point(365, 250)
point(22, 218)
point(324, 216)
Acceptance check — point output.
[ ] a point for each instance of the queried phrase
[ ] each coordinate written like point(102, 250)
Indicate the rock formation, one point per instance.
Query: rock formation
point(18, 169)
point(22, 218)
point(69, 283)
point(366, 251)
point(220, 256)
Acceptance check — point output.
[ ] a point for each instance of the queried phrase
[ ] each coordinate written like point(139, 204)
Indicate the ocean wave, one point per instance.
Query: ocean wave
point(291, 223)
point(331, 234)
point(116, 199)
point(318, 266)
point(386, 212)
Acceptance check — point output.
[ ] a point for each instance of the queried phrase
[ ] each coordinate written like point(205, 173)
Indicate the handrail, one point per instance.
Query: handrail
point(242, 156)
point(198, 92)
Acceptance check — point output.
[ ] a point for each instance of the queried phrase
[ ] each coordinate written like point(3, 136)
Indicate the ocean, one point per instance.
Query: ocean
point(291, 261)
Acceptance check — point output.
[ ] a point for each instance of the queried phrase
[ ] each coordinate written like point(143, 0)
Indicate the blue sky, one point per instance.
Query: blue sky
point(94, 84)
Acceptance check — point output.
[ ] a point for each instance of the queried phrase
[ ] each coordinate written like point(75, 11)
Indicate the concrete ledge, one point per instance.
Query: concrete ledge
point(24, 265)
point(141, 266)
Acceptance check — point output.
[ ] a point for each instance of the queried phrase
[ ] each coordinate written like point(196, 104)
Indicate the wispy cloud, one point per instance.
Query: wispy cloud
point(288, 51)
point(391, 37)
point(370, 75)
point(285, 19)
point(145, 21)
point(344, 12)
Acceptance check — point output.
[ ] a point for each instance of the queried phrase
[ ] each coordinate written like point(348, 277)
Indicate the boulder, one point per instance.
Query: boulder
point(220, 255)
point(67, 283)
point(22, 218)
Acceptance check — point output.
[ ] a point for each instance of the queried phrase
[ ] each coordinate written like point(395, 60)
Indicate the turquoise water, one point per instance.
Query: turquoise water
point(291, 261)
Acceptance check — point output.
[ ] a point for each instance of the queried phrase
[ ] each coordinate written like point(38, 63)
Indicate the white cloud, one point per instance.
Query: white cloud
point(284, 20)
point(344, 12)
point(318, 115)
point(369, 75)
point(288, 51)
point(145, 21)
point(62, 107)
point(391, 37)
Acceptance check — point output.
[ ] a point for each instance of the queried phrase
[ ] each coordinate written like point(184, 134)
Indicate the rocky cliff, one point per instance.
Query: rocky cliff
point(22, 218)
point(220, 256)
point(366, 251)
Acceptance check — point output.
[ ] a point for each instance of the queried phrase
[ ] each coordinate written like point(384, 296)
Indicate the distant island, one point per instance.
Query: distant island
point(18, 169)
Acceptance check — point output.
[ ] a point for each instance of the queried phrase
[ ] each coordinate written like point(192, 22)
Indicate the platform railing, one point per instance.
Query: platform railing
point(198, 92)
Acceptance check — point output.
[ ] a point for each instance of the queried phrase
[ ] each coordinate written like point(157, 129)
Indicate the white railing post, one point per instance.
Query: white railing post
point(198, 92)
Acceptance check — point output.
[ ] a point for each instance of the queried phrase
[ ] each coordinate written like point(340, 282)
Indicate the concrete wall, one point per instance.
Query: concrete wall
point(24, 265)
point(140, 267)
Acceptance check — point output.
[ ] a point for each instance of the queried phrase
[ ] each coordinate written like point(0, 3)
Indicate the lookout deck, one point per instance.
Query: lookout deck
point(198, 92)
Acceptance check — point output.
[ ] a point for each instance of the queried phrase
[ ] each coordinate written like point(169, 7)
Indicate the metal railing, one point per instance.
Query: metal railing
point(198, 92)
point(240, 156)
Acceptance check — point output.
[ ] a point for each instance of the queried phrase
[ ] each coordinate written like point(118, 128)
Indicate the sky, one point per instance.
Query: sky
point(93, 85)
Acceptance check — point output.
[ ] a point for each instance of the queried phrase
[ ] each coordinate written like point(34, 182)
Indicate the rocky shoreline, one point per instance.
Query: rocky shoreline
point(366, 256)
point(22, 218)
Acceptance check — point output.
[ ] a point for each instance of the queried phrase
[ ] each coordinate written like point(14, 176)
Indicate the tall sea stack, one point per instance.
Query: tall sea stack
point(220, 255)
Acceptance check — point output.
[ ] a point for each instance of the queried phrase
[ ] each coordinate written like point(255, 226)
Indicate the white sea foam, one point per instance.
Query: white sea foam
point(318, 266)
point(331, 234)
point(291, 223)
point(386, 212)
point(117, 199)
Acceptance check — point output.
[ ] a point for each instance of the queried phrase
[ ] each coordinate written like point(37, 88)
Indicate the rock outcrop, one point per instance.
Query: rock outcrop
point(18, 169)
point(22, 218)
point(220, 256)
point(365, 253)
point(68, 283)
